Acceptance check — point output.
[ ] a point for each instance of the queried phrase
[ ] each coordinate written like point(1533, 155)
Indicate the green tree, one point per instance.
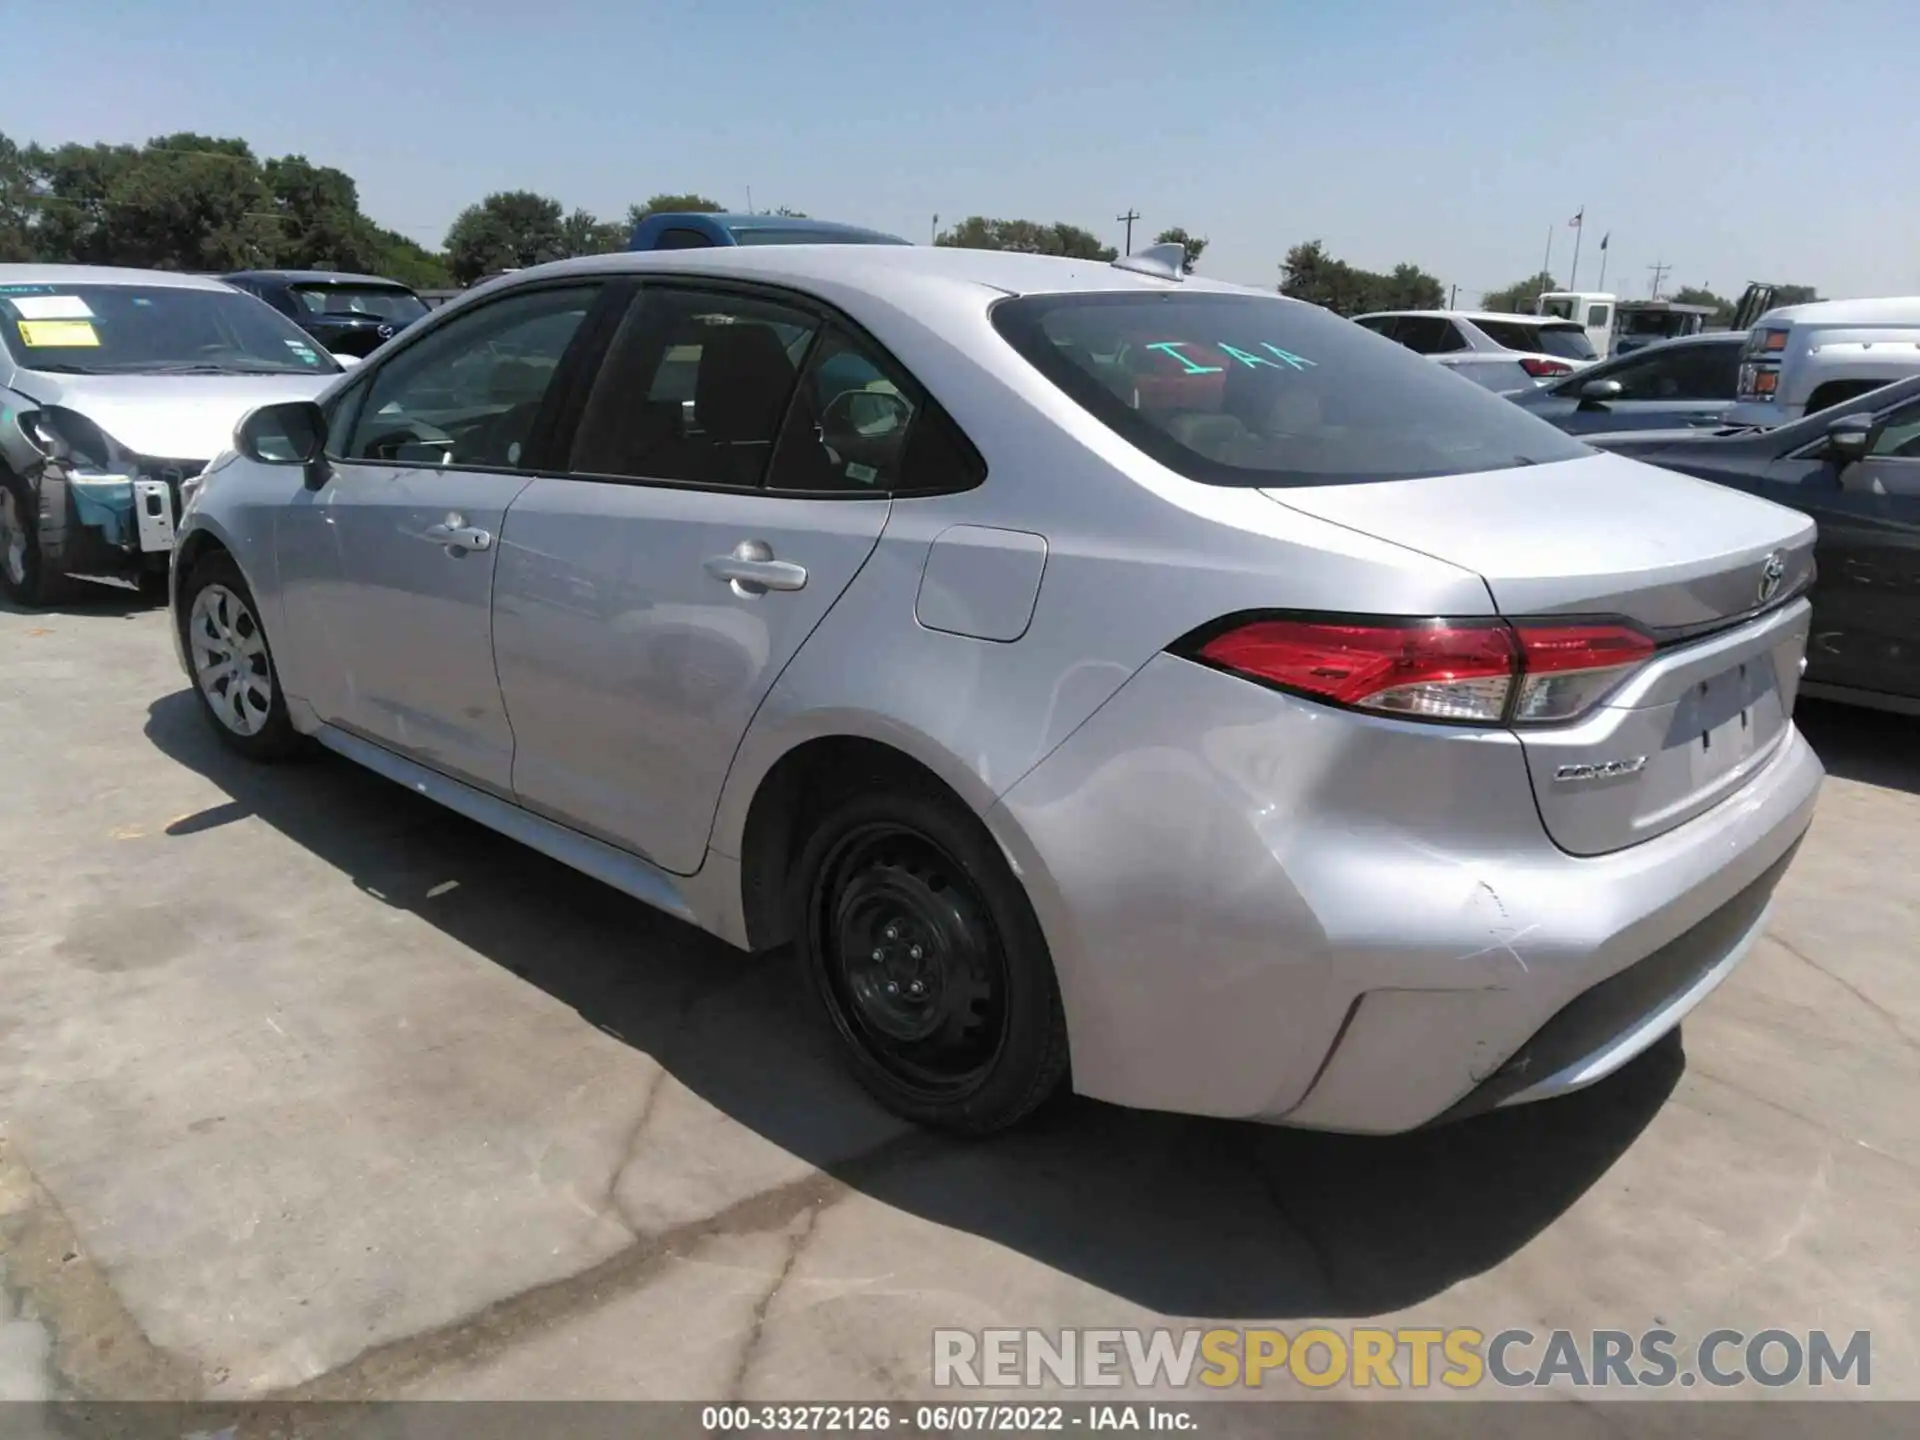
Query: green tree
point(321, 226)
point(1409, 287)
point(584, 233)
point(1700, 295)
point(1519, 297)
point(672, 205)
point(1310, 273)
point(791, 214)
point(1795, 295)
point(19, 203)
point(508, 230)
point(408, 261)
point(1192, 244)
point(977, 232)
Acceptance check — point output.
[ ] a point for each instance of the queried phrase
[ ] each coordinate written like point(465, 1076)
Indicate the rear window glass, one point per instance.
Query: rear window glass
point(356, 302)
point(1569, 342)
point(1244, 390)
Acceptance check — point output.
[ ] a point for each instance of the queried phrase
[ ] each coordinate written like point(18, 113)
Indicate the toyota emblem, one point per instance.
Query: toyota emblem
point(1771, 574)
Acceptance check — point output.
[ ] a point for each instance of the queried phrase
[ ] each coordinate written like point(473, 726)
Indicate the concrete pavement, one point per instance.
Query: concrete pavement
point(308, 1088)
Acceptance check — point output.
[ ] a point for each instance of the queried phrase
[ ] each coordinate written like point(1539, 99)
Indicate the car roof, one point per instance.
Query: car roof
point(106, 275)
point(316, 277)
point(1888, 310)
point(891, 272)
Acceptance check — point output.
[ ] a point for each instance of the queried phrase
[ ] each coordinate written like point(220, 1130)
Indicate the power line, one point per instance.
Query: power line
point(1659, 269)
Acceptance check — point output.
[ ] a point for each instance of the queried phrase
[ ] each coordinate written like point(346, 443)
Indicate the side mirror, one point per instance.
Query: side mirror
point(294, 433)
point(1850, 438)
point(1601, 391)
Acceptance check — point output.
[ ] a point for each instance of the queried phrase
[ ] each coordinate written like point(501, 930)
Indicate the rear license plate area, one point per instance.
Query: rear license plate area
point(1727, 720)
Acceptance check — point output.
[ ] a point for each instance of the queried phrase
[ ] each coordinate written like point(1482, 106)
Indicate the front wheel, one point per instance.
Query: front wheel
point(925, 952)
point(232, 664)
point(33, 535)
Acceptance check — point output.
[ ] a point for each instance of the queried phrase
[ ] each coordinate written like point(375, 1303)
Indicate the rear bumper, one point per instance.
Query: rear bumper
point(1263, 908)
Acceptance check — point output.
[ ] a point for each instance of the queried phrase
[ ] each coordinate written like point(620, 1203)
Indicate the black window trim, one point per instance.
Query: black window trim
point(589, 341)
point(826, 315)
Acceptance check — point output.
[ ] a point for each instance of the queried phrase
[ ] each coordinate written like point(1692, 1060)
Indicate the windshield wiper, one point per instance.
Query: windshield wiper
point(201, 367)
point(59, 369)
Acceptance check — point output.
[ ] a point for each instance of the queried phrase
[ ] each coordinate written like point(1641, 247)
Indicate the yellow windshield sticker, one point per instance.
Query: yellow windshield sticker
point(76, 333)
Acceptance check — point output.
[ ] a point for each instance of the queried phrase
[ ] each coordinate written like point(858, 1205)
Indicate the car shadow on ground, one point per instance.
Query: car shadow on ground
point(1874, 747)
point(90, 597)
point(1185, 1216)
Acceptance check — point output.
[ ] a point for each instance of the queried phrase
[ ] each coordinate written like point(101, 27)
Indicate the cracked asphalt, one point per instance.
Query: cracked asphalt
point(310, 1089)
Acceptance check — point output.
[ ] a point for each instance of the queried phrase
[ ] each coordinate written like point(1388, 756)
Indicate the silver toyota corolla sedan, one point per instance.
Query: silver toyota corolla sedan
point(1090, 671)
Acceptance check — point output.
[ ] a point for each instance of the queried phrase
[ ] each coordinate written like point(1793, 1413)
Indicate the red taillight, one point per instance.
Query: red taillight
point(1484, 672)
point(1544, 369)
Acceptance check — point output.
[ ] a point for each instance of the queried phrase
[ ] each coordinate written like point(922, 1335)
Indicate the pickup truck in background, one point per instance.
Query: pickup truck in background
point(1802, 359)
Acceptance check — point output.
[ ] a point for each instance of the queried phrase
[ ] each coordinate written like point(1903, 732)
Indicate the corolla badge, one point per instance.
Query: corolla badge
point(1772, 572)
point(1600, 770)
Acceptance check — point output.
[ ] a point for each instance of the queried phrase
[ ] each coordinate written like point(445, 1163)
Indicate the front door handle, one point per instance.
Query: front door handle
point(752, 570)
point(458, 536)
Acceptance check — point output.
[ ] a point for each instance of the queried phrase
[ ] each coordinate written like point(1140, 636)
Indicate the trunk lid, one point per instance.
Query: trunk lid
point(1602, 535)
point(1708, 571)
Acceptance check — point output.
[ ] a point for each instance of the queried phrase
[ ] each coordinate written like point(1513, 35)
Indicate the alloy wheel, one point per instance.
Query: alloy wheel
point(229, 653)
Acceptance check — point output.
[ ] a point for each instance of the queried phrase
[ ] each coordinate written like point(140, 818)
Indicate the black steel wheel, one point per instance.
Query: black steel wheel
point(932, 969)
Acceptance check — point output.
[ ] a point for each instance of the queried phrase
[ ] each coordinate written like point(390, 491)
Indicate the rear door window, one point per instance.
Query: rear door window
point(1262, 391)
point(694, 389)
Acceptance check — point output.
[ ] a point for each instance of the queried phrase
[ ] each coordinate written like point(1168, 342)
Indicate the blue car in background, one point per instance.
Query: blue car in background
point(690, 230)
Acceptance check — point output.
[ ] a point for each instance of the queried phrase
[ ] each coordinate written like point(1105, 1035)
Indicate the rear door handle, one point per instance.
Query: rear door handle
point(457, 536)
point(752, 570)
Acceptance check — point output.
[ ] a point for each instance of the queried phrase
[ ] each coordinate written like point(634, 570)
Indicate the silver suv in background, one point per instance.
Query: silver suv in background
point(1504, 353)
point(1065, 658)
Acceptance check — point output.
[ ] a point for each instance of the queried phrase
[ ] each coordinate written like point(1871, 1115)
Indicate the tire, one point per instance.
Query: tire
point(902, 889)
point(33, 541)
point(219, 619)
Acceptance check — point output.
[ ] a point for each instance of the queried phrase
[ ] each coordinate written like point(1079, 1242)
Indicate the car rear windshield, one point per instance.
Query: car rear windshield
point(1569, 342)
point(377, 302)
point(1244, 390)
point(152, 329)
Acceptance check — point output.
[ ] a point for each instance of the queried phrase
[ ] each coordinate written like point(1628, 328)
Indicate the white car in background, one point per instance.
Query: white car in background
point(1505, 353)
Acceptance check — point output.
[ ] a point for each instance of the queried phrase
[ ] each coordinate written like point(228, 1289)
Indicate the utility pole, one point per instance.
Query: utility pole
point(1659, 269)
point(1128, 218)
point(1453, 295)
point(749, 200)
point(933, 231)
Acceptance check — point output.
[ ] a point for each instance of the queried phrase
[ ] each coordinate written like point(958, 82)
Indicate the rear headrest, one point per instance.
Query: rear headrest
point(744, 382)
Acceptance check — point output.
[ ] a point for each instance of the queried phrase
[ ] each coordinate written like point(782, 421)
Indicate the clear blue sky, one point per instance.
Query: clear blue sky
point(1734, 141)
